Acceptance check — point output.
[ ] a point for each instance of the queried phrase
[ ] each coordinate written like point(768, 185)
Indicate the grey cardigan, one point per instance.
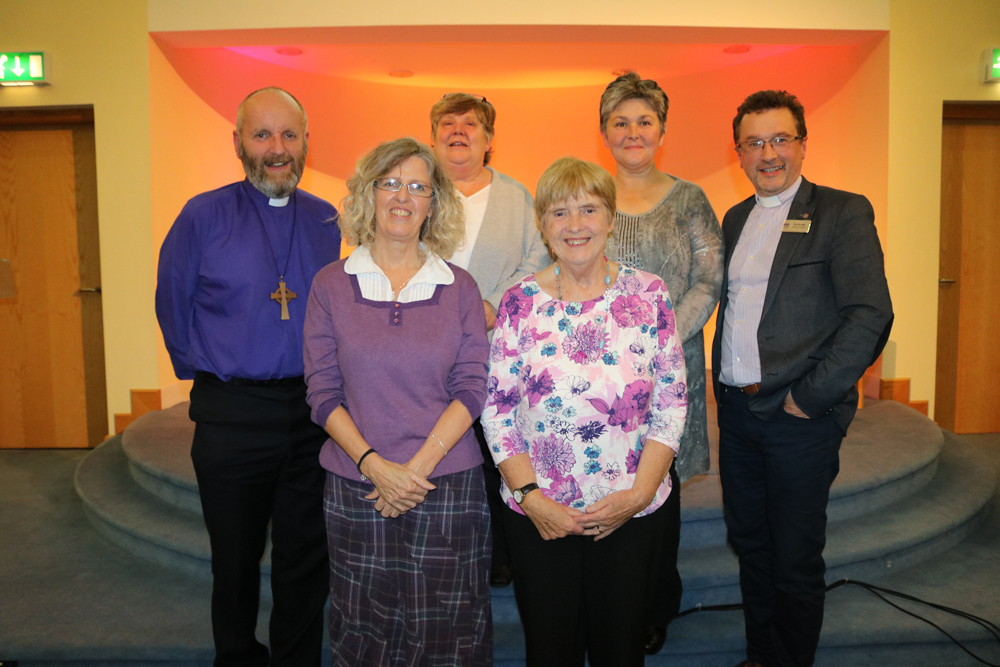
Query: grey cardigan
point(509, 246)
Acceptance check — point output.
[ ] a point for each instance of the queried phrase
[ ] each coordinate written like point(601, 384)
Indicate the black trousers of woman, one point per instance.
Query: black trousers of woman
point(578, 597)
point(668, 588)
point(491, 475)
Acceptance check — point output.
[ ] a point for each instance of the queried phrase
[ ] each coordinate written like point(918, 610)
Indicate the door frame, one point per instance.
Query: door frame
point(950, 267)
point(80, 120)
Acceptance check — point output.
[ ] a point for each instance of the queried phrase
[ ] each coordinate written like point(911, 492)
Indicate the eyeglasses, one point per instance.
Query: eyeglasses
point(415, 189)
point(777, 144)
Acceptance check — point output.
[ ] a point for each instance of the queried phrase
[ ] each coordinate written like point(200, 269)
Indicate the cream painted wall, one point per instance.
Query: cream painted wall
point(86, 39)
point(934, 56)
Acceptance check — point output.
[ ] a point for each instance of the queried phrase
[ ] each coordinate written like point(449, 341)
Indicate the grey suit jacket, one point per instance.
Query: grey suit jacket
point(827, 311)
point(509, 246)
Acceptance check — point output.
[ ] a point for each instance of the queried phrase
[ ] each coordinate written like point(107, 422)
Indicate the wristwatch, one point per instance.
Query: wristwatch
point(519, 494)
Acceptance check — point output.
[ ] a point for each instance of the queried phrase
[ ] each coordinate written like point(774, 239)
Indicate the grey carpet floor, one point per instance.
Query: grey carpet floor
point(68, 596)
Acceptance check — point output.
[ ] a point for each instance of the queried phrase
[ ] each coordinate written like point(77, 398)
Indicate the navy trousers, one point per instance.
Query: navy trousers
point(776, 477)
point(256, 457)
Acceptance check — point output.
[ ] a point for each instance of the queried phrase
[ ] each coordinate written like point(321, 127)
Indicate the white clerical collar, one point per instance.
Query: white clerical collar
point(278, 203)
point(435, 270)
point(777, 200)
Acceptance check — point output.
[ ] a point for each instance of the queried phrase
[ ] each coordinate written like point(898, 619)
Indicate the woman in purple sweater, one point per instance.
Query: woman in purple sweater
point(395, 356)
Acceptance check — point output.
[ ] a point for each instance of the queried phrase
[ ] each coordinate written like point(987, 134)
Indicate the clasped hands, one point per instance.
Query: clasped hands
point(554, 520)
point(398, 488)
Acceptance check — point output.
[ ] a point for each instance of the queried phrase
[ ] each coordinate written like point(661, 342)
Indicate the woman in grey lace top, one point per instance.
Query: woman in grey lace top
point(665, 226)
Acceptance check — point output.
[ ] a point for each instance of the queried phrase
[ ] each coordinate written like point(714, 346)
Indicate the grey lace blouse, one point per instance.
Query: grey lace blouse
point(680, 240)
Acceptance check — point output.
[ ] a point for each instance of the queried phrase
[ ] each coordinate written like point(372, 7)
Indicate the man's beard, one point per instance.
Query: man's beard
point(274, 186)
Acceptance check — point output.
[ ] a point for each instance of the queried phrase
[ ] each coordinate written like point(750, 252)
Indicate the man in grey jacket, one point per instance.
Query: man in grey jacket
point(805, 309)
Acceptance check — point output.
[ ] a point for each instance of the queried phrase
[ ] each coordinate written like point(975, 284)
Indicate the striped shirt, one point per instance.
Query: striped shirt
point(749, 269)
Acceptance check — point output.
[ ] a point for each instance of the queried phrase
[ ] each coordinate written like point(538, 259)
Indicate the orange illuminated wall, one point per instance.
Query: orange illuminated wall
point(198, 79)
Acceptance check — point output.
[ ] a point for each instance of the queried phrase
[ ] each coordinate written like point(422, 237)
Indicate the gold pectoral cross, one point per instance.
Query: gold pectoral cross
point(283, 296)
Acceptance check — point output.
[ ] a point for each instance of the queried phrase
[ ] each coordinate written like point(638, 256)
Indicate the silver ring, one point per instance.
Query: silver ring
point(600, 530)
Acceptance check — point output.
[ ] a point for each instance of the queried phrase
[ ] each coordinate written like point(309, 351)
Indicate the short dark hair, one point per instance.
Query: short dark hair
point(765, 100)
point(631, 86)
point(458, 104)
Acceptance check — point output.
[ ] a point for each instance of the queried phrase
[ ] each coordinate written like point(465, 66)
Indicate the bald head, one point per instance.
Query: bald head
point(271, 94)
point(271, 139)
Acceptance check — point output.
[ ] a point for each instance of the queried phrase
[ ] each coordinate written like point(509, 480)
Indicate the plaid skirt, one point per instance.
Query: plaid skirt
point(413, 590)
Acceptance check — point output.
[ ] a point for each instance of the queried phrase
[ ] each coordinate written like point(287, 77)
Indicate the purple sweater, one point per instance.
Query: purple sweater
point(395, 367)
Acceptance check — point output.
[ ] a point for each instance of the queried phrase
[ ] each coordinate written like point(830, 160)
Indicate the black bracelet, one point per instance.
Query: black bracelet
point(363, 456)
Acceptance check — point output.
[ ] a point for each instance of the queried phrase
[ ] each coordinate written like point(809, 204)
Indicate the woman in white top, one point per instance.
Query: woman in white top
point(502, 245)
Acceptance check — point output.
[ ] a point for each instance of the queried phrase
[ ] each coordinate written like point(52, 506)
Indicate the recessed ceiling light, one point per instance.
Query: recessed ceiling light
point(736, 48)
point(289, 51)
point(401, 73)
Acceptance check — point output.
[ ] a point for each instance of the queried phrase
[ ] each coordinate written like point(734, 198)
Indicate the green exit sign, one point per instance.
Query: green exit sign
point(992, 60)
point(23, 69)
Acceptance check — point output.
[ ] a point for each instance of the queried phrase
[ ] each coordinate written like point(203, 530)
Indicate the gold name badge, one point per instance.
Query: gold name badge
point(797, 226)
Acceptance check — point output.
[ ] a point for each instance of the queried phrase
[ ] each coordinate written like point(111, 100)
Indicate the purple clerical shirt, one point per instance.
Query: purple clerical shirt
point(395, 366)
point(219, 266)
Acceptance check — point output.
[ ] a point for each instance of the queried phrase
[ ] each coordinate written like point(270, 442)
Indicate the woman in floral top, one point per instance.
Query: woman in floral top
point(587, 401)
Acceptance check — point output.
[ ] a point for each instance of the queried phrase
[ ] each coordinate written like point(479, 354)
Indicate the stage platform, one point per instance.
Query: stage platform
point(913, 509)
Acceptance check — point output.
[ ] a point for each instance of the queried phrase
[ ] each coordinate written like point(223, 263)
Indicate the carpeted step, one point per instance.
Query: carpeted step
point(871, 545)
point(158, 447)
point(150, 527)
point(877, 470)
point(137, 520)
point(889, 453)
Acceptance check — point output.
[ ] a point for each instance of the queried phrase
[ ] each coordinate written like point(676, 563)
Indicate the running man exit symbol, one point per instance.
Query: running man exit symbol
point(23, 69)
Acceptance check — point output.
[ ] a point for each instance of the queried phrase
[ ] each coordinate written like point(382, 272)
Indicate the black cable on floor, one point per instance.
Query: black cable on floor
point(878, 592)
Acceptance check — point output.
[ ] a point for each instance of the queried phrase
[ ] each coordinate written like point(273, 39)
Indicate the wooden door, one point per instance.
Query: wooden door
point(968, 356)
point(52, 386)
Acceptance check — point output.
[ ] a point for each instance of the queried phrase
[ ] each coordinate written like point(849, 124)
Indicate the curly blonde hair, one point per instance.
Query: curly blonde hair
point(443, 230)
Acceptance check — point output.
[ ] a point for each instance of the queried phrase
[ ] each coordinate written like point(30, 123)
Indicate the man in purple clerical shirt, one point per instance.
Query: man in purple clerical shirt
point(234, 273)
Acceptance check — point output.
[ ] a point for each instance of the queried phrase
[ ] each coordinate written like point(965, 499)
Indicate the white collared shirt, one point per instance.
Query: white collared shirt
point(375, 285)
point(749, 270)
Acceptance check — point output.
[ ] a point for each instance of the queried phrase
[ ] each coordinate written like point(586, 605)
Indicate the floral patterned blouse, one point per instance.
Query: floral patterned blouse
point(581, 385)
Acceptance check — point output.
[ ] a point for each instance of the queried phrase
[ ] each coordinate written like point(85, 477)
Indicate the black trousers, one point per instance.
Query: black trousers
point(579, 597)
point(491, 475)
point(256, 457)
point(668, 587)
point(776, 477)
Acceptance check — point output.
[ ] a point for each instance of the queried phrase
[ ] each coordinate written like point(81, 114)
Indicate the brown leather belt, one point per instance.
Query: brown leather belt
point(750, 389)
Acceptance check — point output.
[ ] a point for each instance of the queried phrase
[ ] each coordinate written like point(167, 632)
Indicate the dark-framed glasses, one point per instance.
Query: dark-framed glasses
point(415, 189)
point(777, 144)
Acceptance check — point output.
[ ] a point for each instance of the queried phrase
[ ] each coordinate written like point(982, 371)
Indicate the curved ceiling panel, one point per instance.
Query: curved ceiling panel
point(546, 93)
